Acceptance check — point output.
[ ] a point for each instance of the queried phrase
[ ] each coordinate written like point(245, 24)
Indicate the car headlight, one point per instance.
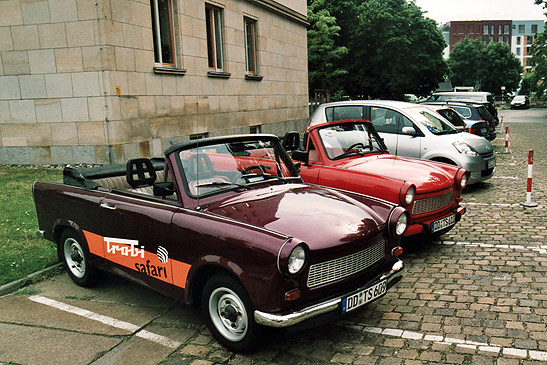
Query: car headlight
point(398, 222)
point(464, 180)
point(464, 148)
point(297, 259)
point(401, 225)
point(409, 197)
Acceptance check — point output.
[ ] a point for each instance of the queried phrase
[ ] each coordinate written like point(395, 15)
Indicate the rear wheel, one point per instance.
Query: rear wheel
point(72, 251)
point(229, 313)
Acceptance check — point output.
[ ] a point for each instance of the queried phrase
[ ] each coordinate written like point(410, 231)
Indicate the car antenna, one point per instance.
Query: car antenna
point(197, 174)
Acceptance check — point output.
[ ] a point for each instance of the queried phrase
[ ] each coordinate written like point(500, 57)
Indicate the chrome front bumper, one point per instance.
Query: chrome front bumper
point(287, 320)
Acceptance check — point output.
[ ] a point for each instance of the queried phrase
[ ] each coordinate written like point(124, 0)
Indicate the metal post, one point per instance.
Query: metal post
point(529, 203)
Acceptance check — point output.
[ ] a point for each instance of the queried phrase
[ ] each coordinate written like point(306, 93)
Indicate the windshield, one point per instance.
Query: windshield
point(349, 139)
point(215, 168)
point(453, 117)
point(434, 123)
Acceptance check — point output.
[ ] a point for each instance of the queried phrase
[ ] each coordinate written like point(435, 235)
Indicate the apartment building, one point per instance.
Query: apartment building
point(523, 35)
point(106, 80)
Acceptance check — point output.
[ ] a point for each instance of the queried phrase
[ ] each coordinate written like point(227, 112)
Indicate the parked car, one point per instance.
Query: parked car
point(520, 101)
point(478, 127)
point(473, 112)
point(228, 224)
point(481, 97)
point(350, 155)
point(413, 130)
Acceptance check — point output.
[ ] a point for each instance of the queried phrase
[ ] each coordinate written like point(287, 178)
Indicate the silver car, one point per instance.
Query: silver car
point(414, 130)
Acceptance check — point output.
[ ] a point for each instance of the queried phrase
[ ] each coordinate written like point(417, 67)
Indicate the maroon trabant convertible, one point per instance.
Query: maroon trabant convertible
point(228, 224)
point(350, 155)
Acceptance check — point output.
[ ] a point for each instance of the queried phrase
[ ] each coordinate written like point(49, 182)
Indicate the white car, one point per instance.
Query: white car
point(414, 130)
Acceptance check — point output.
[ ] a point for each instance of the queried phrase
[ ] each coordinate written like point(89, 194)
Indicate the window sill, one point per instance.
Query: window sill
point(254, 77)
point(169, 70)
point(219, 74)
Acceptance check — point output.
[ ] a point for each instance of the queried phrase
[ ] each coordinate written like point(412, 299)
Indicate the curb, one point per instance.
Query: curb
point(19, 283)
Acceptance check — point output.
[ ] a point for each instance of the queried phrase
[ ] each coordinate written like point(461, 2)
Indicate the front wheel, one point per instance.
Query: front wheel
point(72, 252)
point(229, 314)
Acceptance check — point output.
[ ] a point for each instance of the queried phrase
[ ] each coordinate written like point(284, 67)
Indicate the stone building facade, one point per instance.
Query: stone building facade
point(102, 81)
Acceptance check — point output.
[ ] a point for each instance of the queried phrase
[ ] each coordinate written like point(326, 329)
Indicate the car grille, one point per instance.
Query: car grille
point(329, 271)
point(487, 155)
point(430, 204)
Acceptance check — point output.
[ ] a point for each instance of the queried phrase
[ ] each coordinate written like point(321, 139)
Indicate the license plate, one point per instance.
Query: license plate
point(491, 163)
point(443, 223)
point(364, 296)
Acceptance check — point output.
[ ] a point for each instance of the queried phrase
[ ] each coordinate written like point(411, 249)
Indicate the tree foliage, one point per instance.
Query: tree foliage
point(392, 49)
point(539, 63)
point(323, 55)
point(490, 67)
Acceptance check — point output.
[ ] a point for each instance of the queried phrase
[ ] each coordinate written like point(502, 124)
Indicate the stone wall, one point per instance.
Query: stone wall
point(77, 80)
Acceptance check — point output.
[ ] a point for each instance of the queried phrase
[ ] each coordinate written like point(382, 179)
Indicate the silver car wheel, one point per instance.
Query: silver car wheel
point(74, 257)
point(228, 314)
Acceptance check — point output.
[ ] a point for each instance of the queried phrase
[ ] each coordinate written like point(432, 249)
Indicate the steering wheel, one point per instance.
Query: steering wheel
point(262, 168)
point(357, 145)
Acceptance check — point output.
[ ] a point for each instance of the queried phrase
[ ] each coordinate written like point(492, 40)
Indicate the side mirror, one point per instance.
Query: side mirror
point(291, 141)
point(301, 156)
point(164, 189)
point(409, 131)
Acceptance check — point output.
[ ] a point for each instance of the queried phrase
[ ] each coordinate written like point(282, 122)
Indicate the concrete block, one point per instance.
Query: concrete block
point(136, 84)
point(144, 60)
point(131, 150)
point(113, 32)
point(52, 35)
point(125, 59)
point(132, 36)
point(42, 61)
point(140, 14)
point(163, 105)
point(84, 154)
point(120, 11)
point(74, 110)
point(102, 154)
point(80, 33)
point(116, 78)
point(6, 43)
point(22, 111)
point(15, 63)
point(129, 107)
point(48, 110)
point(91, 133)
point(32, 86)
point(86, 84)
point(25, 37)
point(14, 141)
point(96, 107)
point(34, 134)
point(119, 131)
point(97, 59)
point(10, 88)
point(153, 84)
point(62, 154)
point(11, 13)
point(63, 11)
point(64, 134)
point(18, 155)
point(177, 105)
point(69, 60)
point(87, 10)
point(35, 12)
point(169, 84)
point(147, 106)
point(4, 111)
point(59, 85)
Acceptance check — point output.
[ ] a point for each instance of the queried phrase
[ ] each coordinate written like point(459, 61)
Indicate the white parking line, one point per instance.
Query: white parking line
point(482, 347)
point(107, 320)
point(539, 249)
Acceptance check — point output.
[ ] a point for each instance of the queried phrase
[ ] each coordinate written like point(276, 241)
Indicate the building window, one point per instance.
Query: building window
point(215, 54)
point(255, 129)
point(499, 29)
point(521, 28)
point(518, 40)
point(250, 46)
point(506, 29)
point(492, 29)
point(518, 51)
point(163, 32)
point(534, 28)
point(490, 39)
point(485, 29)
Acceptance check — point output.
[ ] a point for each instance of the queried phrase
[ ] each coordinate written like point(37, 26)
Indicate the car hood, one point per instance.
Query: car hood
point(323, 218)
point(425, 175)
point(479, 144)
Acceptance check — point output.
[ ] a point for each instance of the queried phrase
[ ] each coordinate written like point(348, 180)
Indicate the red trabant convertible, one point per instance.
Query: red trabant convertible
point(228, 224)
point(350, 155)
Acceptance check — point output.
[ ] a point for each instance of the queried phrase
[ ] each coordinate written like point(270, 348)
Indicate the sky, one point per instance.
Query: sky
point(446, 10)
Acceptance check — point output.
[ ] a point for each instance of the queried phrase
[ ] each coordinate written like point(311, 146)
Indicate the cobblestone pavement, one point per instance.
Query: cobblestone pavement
point(476, 296)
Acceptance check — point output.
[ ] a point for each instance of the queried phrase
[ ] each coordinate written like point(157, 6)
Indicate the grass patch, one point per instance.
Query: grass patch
point(21, 251)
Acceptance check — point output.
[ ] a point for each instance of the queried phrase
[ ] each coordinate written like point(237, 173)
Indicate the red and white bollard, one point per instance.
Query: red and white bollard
point(529, 203)
point(506, 139)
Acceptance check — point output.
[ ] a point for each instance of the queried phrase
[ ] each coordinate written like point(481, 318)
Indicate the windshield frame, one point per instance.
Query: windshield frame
point(222, 148)
point(374, 138)
point(427, 119)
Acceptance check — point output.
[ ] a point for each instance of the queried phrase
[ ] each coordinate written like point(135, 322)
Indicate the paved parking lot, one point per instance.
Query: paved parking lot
point(476, 296)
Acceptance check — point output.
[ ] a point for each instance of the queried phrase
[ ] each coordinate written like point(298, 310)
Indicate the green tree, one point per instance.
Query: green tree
point(500, 68)
point(465, 62)
point(325, 68)
point(392, 48)
point(539, 63)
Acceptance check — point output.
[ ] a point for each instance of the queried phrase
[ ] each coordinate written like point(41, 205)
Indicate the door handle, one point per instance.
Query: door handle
point(107, 206)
